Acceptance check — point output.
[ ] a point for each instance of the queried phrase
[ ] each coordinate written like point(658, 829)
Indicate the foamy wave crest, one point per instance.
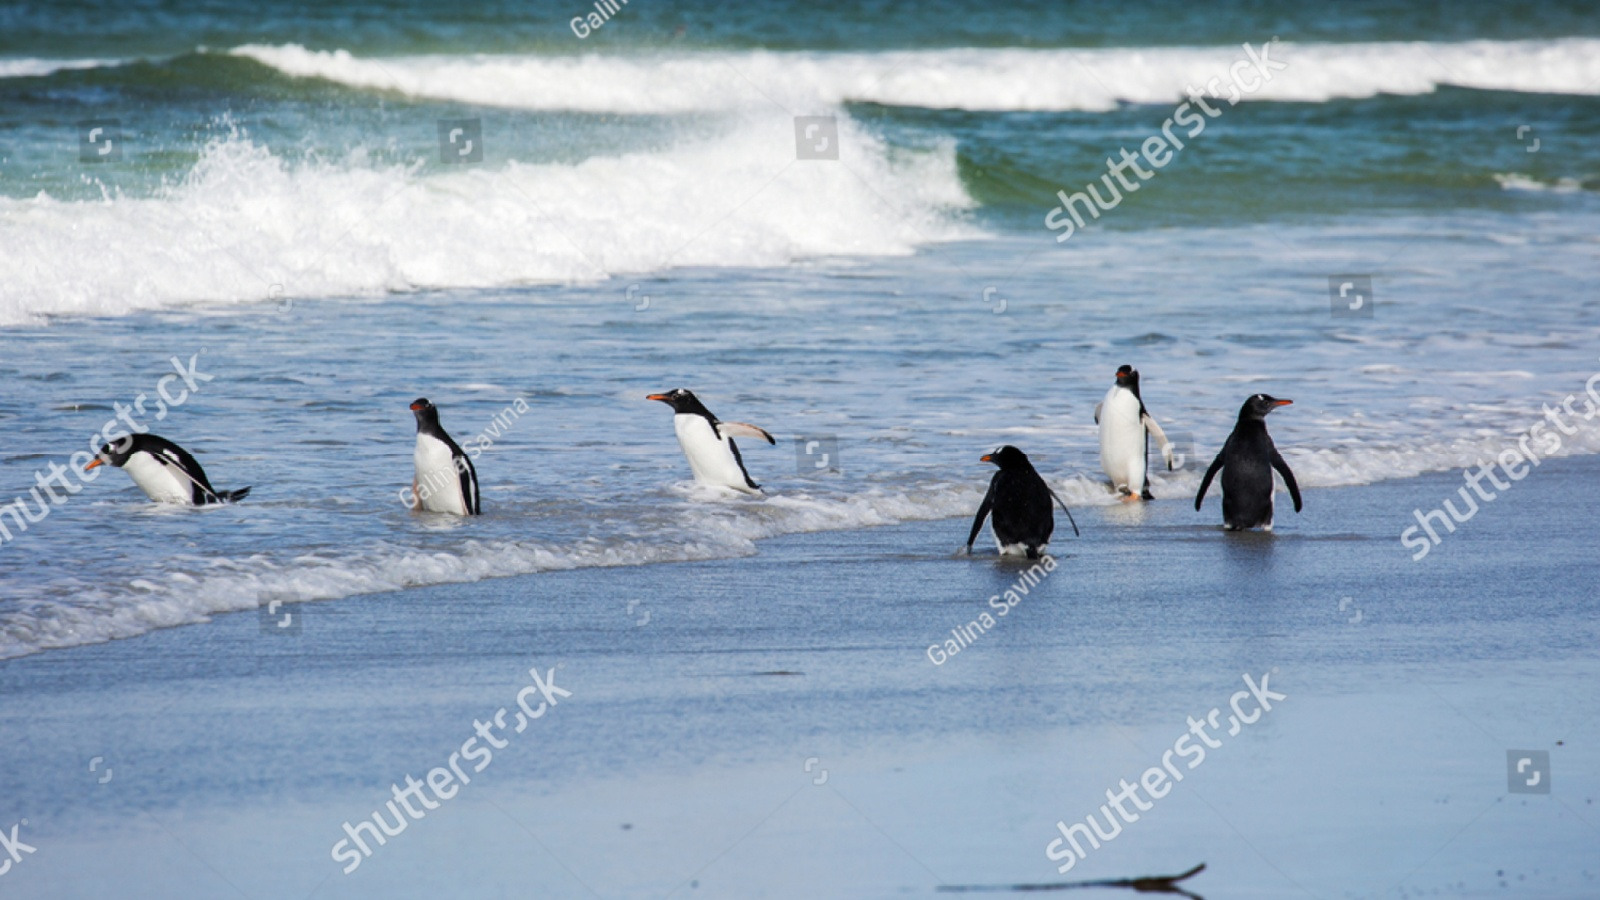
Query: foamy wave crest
point(973, 79)
point(28, 67)
point(1515, 181)
point(191, 590)
point(212, 587)
point(246, 225)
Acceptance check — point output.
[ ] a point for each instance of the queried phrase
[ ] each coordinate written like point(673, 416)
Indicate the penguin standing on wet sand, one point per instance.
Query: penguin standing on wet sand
point(163, 470)
point(445, 481)
point(1247, 461)
point(1019, 502)
point(708, 443)
point(1124, 450)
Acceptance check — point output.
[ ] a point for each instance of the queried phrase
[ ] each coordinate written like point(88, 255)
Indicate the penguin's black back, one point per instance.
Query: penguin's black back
point(1021, 513)
point(1247, 475)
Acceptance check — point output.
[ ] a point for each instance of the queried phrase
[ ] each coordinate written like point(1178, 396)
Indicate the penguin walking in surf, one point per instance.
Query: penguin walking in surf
point(1018, 504)
point(1124, 450)
point(163, 470)
point(445, 481)
point(708, 443)
point(1247, 461)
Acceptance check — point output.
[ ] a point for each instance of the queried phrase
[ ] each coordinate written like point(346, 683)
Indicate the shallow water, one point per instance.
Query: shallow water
point(899, 363)
point(775, 726)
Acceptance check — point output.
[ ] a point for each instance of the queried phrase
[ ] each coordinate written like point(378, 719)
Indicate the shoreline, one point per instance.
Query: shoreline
point(1108, 512)
point(768, 701)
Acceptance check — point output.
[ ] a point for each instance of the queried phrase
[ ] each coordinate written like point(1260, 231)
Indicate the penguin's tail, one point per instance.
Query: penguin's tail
point(232, 496)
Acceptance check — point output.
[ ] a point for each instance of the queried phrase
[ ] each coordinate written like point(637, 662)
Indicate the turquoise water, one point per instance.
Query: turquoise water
point(419, 26)
point(1386, 124)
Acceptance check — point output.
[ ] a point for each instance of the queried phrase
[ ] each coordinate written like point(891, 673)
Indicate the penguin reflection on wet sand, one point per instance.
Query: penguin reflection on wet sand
point(1247, 461)
point(445, 481)
point(163, 470)
point(1124, 450)
point(708, 443)
point(1018, 504)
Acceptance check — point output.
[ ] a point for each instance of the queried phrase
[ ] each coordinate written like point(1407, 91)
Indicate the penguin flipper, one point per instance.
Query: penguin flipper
point(1097, 412)
point(743, 429)
point(233, 496)
point(1075, 532)
point(1160, 436)
point(1205, 482)
point(183, 467)
point(983, 513)
point(1288, 477)
point(469, 482)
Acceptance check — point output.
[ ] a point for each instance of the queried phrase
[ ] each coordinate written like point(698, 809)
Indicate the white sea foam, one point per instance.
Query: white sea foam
point(1515, 181)
point(30, 67)
point(974, 79)
point(244, 221)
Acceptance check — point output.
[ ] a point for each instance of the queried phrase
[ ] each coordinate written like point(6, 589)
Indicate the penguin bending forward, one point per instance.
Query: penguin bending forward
point(1019, 503)
point(708, 443)
point(163, 470)
point(445, 481)
point(1247, 461)
point(1124, 451)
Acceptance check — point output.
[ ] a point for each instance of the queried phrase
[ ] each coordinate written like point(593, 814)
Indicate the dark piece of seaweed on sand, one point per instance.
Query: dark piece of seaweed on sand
point(1155, 884)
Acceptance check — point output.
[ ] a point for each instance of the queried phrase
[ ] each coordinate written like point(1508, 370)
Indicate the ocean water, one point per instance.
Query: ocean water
point(263, 229)
point(271, 198)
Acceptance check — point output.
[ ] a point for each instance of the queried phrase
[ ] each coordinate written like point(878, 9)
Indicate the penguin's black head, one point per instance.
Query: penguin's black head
point(1259, 405)
point(1127, 377)
point(681, 400)
point(426, 412)
point(115, 453)
point(1007, 457)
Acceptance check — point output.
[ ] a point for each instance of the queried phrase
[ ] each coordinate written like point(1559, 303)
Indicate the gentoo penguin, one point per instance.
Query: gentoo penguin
point(708, 443)
point(163, 470)
point(1019, 501)
point(445, 481)
point(1247, 461)
point(1124, 451)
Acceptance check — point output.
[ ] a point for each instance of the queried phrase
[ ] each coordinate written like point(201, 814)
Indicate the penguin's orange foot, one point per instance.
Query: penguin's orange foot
point(1131, 498)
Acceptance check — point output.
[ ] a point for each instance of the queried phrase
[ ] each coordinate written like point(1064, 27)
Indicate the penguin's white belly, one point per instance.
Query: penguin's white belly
point(160, 482)
point(1122, 440)
point(709, 454)
point(438, 482)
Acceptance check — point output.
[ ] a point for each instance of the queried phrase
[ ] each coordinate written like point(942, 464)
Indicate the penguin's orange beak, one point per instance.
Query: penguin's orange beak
point(1283, 403)
point(415, 407)
point(93, 464)
point(987, 457)
point(662, 397)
